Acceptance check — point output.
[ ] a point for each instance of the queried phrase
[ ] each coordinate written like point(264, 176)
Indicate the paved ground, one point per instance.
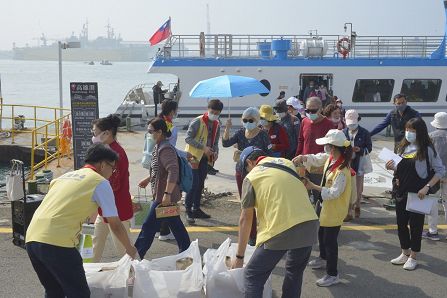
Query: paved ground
point(366, 245)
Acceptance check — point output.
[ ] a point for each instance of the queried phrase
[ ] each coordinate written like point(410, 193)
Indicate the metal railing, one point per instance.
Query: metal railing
point(44, 134)
point(246, 46)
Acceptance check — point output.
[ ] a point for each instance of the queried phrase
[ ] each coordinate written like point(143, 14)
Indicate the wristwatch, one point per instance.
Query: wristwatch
point(239, 257)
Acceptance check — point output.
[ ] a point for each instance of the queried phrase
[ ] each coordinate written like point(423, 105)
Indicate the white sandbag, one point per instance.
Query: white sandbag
point(223, 282)
point(14, 185)
point(160, 278)
point(107, 280)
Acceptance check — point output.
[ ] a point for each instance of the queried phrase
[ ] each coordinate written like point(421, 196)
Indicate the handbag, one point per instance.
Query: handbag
point(141, 206)
point(365, 164)
point(14, 183)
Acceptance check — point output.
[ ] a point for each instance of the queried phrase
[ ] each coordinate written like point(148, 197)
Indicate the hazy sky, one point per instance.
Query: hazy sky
point(23, 20)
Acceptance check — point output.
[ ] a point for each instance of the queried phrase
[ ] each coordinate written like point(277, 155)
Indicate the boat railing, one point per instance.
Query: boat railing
point(247, 46)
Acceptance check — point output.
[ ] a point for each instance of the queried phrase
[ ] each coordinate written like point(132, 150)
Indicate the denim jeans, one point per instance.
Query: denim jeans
point(264, 261)
point(152, 225)
point(59, 269)
point(192, 200)
point(327, 238)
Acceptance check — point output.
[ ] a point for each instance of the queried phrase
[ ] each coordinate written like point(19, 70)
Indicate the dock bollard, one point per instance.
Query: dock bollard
point(128, 124)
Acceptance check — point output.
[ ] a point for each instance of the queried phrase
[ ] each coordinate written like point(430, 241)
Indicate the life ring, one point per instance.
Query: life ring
point(344, 46)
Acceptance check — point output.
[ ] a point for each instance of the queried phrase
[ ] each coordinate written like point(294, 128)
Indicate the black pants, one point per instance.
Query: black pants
point(409, 238)
point(59, 269)
point(327, 238)
point(192, 199)
point(164, 228)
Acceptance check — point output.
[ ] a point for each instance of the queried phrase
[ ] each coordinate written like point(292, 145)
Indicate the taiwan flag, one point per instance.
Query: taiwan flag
point(162, 33)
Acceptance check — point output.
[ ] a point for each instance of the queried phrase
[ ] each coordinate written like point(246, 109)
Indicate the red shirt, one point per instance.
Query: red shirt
point(278, 137)
point(120, 184)
point(309, 132)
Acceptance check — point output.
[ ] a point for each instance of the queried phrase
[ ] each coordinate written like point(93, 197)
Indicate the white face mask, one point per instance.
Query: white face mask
point(97, 139)
point(352, 127)
point(281, 115)
point(335, 120)
point(213, 117)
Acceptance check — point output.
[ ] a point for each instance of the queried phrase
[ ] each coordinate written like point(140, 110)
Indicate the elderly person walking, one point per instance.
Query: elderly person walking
point(163, 178)
point(361, 146)
point(439, 139)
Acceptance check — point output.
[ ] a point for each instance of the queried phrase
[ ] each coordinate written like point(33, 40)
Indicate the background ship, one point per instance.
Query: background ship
point(111, 48)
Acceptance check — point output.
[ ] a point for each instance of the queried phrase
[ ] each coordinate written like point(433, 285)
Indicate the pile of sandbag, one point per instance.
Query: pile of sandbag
point(180, 275)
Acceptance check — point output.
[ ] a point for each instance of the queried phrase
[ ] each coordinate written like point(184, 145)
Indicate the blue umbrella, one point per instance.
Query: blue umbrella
point(227, 87)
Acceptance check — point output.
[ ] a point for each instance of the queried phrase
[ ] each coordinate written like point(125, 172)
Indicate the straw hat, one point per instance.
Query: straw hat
point(334, 137)
point(440, 120)
point(266, 112)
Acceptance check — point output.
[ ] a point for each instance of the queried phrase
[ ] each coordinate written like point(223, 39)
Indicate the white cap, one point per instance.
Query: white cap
point(334, 137)
point(294, 102)
point(440, 120)
point(351, 117)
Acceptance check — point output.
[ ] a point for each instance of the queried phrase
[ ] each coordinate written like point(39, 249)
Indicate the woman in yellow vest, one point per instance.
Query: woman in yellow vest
point(336, 193)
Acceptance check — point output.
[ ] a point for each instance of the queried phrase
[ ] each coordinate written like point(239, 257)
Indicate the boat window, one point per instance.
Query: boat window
point(267, 85)
point(421, 90)
point(373, 90)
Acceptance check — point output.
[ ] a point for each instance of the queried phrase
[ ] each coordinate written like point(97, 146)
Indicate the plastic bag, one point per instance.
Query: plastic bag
point(223, 282)
point(14, 184)
point(160, 278)
point(141, 205)
point(365, 164)
point(108, 279)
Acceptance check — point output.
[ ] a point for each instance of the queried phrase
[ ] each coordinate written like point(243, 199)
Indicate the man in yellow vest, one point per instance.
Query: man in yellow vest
point(287, 222)
point(202, 142)
point(53, 233)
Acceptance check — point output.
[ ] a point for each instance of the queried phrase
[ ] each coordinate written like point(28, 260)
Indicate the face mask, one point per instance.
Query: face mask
point(335, 120)
point(174, 116)
point(249, 126)
point(281, 115)
point(150, 142)
point(262, 122)
point(97, 139)
point(327, 149)
point(352, 126)
point(401, 108)
point(213, 117)
point(312, 117)
point(295, 112)
point(410, 136)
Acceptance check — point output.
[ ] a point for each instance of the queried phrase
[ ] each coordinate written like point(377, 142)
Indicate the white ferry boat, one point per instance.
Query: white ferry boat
point(364, 71)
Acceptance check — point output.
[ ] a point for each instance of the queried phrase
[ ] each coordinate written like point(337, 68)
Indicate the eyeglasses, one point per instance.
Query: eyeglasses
point(311, 111)
point(248, 120)
point(112, 166)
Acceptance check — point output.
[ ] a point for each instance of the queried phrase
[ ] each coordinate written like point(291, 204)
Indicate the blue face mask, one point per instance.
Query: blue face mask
point(410, 136)
point(312, 117)
point(249, 126)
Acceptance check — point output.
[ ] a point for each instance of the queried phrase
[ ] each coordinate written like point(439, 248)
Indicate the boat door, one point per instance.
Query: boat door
point(325, 79)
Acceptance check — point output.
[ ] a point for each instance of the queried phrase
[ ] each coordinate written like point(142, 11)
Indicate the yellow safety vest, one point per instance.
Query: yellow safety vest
point(333, 212)
point(281, 199)
point(58, 220)
point(201, 137)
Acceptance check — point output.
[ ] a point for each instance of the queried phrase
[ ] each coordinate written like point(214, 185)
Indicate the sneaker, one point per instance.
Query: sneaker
point(410, 264)
point(328, 281)
point(190, 217)
point(318, 263)
point(400, 260)
point(200, 214)
point(431, 236)
point(170, 236)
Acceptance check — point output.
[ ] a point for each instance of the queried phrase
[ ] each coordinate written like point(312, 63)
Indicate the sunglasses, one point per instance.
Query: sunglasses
point(311, 111)
point(248, 120)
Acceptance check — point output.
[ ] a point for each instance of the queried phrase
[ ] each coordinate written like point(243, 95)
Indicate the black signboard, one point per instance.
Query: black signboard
point(84, 109)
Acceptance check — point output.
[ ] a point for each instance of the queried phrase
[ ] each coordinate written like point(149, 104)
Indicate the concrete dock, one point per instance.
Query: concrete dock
point(365, 245)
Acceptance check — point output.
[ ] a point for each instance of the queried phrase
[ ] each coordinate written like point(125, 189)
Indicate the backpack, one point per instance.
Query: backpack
point(185, 172)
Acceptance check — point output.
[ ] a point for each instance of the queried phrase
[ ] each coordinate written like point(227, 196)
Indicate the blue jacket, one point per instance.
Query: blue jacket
point(397, 122)
point(363, 140)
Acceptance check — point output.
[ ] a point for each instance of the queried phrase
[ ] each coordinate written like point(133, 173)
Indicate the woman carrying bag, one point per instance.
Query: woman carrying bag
point(418, 172)
point(164, 178)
